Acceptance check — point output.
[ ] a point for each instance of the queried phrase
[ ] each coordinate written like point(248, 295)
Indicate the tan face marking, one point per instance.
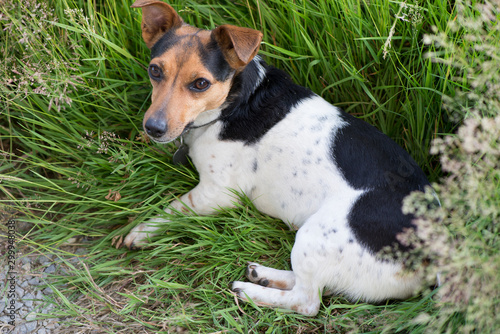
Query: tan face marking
point(173, 99)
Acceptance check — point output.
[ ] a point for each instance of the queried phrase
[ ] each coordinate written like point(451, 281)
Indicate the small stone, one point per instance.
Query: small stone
point(43, 259)
point(23, 312)
point(71, 240)
point(24, 284)
point(30, 316)
point(25, 328)
point(42, 331)
point(50, 269)
point(20, 329)
point(25, 260)
point(26, 267)
point(48, 291)
point(2, 306)
point(39, 295)
point(19, 291)
point(28, 299)
point(34, 281)
point(31, 326)
point(51, 325)
point(5, 319)
point(47, 309)
point(81, 251)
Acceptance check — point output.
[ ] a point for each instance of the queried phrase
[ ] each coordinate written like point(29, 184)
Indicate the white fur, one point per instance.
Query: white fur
point(289, 174)
point(262, 71)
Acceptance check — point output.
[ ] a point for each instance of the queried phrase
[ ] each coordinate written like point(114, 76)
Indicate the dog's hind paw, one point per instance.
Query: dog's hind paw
point(273, 278)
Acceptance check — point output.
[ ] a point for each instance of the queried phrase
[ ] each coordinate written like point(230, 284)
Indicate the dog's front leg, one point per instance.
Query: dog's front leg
point(204, 199)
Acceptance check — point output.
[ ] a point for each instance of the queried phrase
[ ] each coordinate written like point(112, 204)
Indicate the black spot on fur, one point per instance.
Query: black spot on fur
point(317, 127)
point(254, 273)
point(254, 165)
point(277, 149)
point(296, 192)
point(252, 110)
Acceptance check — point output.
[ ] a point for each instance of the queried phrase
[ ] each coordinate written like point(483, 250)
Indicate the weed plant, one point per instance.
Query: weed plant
point(462, 236)
point(75, 164)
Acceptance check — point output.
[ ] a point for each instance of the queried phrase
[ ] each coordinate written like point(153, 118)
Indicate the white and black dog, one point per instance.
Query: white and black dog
point(335, 179)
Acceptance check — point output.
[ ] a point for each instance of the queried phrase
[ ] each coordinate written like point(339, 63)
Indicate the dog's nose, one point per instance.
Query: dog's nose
point(156, 127)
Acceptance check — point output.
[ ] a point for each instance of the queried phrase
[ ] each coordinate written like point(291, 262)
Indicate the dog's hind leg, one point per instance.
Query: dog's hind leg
point(318, 261)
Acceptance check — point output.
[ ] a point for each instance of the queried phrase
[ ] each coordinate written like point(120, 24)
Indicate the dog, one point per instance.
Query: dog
point(334, 178)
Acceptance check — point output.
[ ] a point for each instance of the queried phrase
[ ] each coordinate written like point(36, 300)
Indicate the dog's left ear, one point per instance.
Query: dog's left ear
point(239, 45)
point(157, 18)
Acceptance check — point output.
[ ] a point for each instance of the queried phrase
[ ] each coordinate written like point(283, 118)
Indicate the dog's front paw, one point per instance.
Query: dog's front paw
point(243, 289)
point(139, 236)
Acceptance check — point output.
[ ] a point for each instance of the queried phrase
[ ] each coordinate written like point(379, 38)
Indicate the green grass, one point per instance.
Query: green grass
point(74, 88)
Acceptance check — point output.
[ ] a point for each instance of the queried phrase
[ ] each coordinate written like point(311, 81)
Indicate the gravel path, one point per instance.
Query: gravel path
point(30, 296)
point(25, 290)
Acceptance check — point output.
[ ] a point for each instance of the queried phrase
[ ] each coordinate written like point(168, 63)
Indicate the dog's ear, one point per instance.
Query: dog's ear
point(239, 45)
point(157, 18)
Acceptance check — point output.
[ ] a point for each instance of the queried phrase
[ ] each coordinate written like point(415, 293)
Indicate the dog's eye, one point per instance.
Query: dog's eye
point(200, 85)
point(154, 71)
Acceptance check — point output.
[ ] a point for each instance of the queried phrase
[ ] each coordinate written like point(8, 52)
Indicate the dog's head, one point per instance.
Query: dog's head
point(191, 69)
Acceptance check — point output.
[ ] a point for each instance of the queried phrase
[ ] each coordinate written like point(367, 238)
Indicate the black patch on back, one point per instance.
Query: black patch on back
point(252, 110)
point(370, 160)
